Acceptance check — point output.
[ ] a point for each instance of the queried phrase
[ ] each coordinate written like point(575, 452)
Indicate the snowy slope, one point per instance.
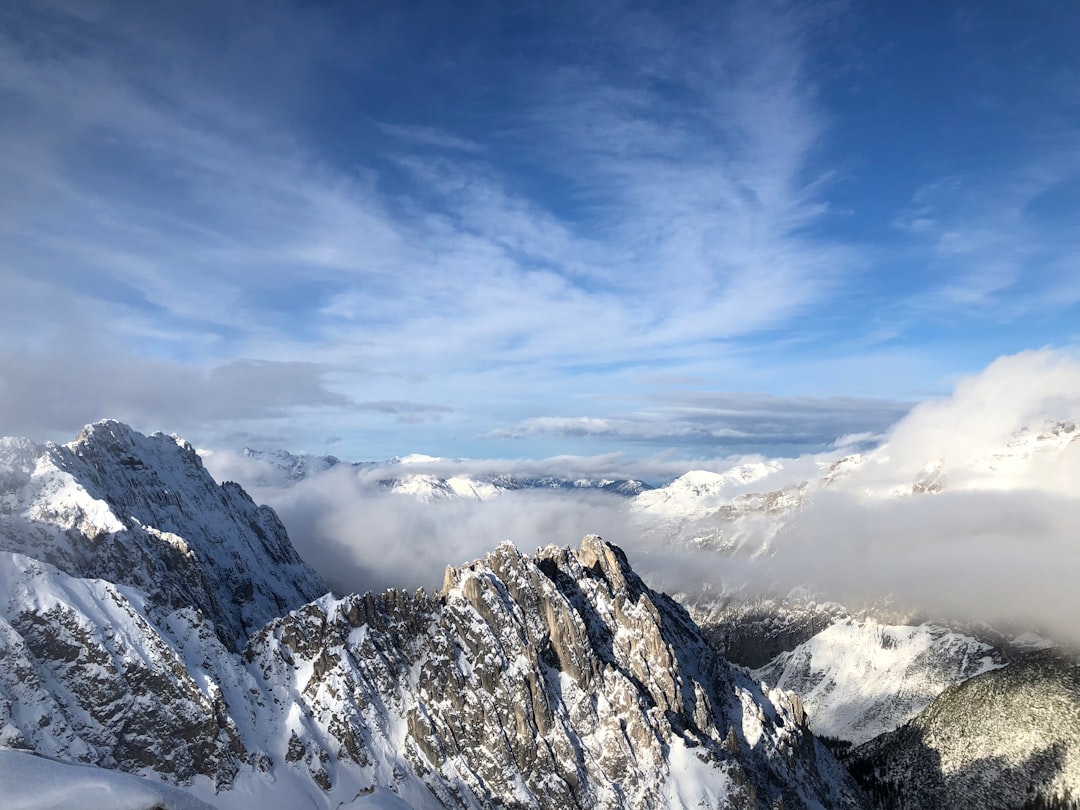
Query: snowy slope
point(89, 678)
point(1009, 738)
point(282, 467)
point(858, 679)
point(428, 487)
point(738, 512)
point(696, 493)
point(547, 681)
point(551, 681)
point(1033, 456)
point(32, 782)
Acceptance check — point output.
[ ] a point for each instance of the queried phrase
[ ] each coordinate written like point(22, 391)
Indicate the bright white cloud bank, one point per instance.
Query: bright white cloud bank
point(1000, 541)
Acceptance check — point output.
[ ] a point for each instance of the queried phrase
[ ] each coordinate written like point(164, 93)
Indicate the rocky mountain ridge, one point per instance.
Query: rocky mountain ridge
point(143, 511)
point(552, 680)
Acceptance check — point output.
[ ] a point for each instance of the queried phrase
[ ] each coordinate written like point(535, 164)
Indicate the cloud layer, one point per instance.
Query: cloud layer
point(997, 544)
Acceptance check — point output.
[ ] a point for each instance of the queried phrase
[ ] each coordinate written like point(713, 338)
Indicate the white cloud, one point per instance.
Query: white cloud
point(997, 545)
point(648, 204)
point(996, 252)
point(172, 206)
point(985, 412)
point(362, 539)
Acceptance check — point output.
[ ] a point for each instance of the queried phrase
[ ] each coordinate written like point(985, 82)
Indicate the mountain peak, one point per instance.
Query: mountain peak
point(556, 679)
point(142, 510)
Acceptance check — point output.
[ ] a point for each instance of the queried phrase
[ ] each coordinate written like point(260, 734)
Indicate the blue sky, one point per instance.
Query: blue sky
point(505, 230)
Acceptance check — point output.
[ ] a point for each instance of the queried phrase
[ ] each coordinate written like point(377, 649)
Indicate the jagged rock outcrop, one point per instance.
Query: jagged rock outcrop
point(1006, 739)
point(142, 511)
point(552, 681)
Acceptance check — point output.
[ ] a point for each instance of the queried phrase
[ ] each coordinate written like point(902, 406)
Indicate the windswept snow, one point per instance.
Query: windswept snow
point(858, 679)
point(31, 782)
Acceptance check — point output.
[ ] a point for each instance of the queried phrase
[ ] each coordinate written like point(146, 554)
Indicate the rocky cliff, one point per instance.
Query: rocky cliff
point(142, 511)
point(556, 680)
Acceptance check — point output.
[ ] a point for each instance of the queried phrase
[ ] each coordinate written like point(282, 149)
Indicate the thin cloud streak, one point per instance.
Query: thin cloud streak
point(711, 420)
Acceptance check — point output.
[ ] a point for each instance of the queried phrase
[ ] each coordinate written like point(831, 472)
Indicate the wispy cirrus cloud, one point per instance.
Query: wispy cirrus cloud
point(429, 137)
point(184, 213)
point(408, 412)
point(1001, 245)
point(503, 227)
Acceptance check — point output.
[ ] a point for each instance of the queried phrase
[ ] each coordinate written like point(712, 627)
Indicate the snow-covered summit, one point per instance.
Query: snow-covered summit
point(416, 458)
point(695, 492)
point(143, 511)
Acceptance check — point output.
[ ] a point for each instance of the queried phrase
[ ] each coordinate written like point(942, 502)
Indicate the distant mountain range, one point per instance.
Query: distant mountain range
point(280, 467)
point(743, 511)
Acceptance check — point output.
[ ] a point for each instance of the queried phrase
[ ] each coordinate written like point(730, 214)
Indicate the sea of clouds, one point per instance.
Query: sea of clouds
point(999, 543)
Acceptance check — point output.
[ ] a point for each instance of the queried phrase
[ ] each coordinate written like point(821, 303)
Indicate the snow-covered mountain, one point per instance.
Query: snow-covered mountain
point(283, 467)
point(756, 509)
point(142, 511)
point(154, 622)
point(552, 680)
point(746, 509)
point(428, 488)
point(859, 678)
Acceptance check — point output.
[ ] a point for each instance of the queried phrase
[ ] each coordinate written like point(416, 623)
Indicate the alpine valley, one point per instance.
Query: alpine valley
point(163, 645)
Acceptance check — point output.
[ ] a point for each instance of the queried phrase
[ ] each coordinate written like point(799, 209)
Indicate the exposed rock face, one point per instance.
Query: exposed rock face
point(142, 511)
point(1007, 739)
point(551, 681)
point(754, 630)
point(85, 677)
